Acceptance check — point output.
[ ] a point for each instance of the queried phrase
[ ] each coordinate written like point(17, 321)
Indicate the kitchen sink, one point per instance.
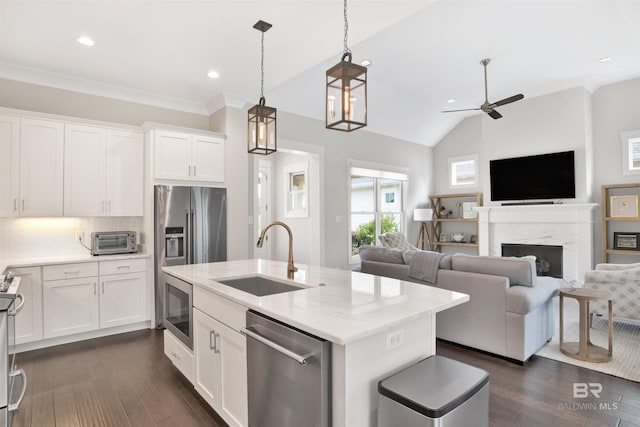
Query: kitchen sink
point(259, 286)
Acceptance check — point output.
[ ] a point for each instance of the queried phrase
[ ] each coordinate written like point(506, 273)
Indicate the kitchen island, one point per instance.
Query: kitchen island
point(376, 325)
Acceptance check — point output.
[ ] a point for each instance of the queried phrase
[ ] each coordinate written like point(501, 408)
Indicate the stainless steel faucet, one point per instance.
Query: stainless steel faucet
point(290, 267)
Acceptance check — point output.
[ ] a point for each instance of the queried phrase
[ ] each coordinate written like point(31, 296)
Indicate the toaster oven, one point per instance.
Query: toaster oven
point(113, 242)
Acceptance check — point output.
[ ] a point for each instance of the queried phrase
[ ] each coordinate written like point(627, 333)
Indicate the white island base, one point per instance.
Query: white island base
point(358, 366)
point(377, 326)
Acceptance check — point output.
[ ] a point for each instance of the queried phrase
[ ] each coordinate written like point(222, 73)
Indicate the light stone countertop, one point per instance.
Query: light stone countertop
point(53, 260)
point(350, 306)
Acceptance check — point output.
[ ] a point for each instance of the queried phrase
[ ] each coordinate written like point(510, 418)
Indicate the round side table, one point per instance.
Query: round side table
point(584, 349)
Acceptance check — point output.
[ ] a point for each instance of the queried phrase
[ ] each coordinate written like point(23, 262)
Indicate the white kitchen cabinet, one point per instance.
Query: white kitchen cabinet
point(29, 319)
point(186, 157)
point(9, 165)
point(70, 306)
point(123, 297)
point(41, 167)
point(103, 172)
point(221, 368)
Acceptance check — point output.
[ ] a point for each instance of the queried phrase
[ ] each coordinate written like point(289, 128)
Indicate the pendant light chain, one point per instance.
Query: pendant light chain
point(346, 28)
point(262, 66)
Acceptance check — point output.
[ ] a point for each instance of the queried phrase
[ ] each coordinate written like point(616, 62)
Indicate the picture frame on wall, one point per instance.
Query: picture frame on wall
point(624, 206)
point(626, 241)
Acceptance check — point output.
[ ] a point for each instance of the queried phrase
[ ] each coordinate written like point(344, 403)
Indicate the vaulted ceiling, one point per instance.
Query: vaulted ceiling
point(423, 52)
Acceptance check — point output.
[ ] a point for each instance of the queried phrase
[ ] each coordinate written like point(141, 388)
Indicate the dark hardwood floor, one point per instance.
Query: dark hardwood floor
point(125, 380)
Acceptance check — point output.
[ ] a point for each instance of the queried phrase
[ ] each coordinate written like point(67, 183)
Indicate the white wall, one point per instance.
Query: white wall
point(339, 147)
point(567, 120)
point(305, 240)
point(551, 123)
point(616, 109)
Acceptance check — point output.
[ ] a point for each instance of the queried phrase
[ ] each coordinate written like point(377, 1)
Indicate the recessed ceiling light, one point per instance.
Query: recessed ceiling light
point(213, 74)
point(366, 62)
point(451, 101)
point(85, 41)
point(605, 59)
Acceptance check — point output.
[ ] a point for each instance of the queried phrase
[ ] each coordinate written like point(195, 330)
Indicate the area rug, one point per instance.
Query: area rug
point(626, 343)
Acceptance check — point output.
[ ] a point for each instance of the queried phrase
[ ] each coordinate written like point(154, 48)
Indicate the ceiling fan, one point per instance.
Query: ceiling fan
point(487, 107)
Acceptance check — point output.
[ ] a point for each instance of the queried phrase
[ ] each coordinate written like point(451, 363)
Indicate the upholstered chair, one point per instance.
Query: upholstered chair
point(623, 282)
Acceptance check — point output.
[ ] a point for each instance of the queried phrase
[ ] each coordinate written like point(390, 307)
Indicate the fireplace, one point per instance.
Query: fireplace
point(548, 257)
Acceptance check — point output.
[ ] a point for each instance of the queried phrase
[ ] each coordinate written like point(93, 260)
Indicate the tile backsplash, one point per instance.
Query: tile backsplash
point(54, 237)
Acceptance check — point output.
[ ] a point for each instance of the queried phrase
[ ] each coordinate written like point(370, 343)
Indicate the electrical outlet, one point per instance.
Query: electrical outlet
point(79, 236)
point(394, 339)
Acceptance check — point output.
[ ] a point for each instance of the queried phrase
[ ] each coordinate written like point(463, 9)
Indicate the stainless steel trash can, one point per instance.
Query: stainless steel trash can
point(436, 391)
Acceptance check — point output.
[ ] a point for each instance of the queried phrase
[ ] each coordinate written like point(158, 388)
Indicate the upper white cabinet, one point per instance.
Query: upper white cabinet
point(103, 172)
point(188, 157)
point(41, 167)
point(9, 165)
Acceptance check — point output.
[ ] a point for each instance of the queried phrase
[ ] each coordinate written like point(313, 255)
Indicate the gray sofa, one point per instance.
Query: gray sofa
point(510, 312)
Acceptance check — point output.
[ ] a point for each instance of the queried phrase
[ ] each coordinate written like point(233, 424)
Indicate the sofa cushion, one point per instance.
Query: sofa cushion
point(376, 253)
point(615, 267)
point(524, 299)
point(520, 271)
point(445, 262)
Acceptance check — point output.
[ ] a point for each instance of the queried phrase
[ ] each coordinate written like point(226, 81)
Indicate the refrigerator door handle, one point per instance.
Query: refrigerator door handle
point(188, 233)
point(191, 237)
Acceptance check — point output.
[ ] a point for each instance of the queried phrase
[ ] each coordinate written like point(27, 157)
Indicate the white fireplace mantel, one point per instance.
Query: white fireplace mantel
point(568, 225)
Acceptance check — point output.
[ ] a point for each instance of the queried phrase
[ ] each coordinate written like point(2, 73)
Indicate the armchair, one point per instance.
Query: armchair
point(623, 281)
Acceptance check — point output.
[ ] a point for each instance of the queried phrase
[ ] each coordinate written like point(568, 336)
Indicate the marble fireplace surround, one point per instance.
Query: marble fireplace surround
point(568, 225)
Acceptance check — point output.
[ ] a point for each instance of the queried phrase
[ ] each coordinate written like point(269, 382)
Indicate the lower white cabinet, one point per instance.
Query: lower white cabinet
point(87, 296)
point(70, 306)
point(179, 354)
point(221, 368)
point(29, 320)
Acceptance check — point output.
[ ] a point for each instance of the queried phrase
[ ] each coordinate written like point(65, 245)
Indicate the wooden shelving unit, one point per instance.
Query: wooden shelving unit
point(607, 220)
point(436, 224)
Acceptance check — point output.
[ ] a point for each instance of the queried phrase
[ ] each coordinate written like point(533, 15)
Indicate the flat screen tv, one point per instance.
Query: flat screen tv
point(542, 177)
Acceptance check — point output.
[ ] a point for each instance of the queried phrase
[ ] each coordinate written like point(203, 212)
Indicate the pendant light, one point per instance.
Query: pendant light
point(262, 119)
point(346, 94)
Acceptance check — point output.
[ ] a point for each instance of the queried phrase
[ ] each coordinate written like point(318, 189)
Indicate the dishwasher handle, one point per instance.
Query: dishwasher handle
point(303, 360)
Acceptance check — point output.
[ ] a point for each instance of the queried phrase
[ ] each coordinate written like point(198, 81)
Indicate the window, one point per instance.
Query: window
point(377, 206)
point(630, 152)
point(463, 171)
point(296, 191)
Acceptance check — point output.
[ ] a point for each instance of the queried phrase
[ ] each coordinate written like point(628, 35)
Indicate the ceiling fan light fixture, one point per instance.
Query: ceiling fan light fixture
point(262, 120)
point(346, 91)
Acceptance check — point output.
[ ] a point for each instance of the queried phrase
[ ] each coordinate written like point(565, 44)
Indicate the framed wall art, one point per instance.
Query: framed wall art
point(626, 241)
point(624, 206)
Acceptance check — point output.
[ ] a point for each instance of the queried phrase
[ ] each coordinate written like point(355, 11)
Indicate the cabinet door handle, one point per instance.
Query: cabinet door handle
point(124, 266)
point(23, 205)
point(72, 272)
point(212, 340)
point(215, 343)
point(95, 291)
point(103, 287)
point(15, 204)
point(109, 207)
point(189, 170)
point(194, 170)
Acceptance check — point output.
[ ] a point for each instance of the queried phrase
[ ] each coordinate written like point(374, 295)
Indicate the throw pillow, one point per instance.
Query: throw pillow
point(395, 239)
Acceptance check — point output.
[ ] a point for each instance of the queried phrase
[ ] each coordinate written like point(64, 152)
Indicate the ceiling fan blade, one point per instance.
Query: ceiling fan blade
point(508, 100)
point(464, 109)
point(493, 113)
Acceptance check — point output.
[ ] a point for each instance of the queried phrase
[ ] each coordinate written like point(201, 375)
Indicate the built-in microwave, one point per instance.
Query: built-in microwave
point(113, 242)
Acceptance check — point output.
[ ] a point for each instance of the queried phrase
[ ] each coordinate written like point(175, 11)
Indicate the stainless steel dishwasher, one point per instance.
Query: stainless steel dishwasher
point(288, 374)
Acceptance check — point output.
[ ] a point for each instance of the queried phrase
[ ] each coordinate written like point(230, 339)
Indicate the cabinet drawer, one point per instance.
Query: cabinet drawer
point(123, 266)
point(226, 311)
point(69, 271)
point(179, 355)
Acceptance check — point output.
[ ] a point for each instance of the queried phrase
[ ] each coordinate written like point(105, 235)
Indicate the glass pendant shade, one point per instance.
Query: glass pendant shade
point(262, 129)
point(346, 97)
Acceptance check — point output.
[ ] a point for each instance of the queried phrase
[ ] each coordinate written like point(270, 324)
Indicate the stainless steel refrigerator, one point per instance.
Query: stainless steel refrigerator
point(190, 228)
